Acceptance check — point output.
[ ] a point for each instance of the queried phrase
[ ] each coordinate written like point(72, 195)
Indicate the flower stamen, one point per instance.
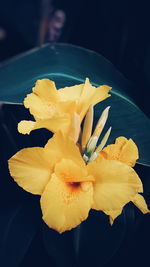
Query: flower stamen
point(101, 122)
point(87, 127)
point(104, 141)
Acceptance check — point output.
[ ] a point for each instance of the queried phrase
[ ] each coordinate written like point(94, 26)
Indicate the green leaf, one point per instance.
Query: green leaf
point(69, 65)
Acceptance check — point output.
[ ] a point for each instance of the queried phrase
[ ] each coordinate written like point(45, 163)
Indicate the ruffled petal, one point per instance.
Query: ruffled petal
point(140, 203)
point(115, 184)
point(123, 150)
point(71, 93)
point(91, 96)
point(39, 108)
point(43, 103)
point(30, 170)
point(65, 206)
point(60, 123)
point(46, 90)
point(84, 95)
point(25, 127)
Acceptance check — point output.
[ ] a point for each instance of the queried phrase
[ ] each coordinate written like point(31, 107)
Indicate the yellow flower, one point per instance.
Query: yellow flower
point(69, 188)
point(124, 152)
point(53, 109)
point(58, 173)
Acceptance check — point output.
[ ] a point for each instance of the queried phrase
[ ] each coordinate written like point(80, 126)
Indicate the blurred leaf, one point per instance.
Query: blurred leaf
point(68, 65)
point(59, 247)
point(96, 245)
point(18, 226)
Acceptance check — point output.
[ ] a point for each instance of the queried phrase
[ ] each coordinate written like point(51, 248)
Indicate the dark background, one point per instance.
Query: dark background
point(120, 31)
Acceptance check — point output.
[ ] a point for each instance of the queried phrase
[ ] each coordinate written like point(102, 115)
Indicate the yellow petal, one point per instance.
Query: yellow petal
point(54, 124)
point(30, 170)
point(71, 93)
point(123, 150)
point(40, 108)
point(25, 127)
point(63, 147)
point(101, 94)
point(87, 127)
point(115, 184)
point(140, 203)
point(91, 96)
point(46, 90)
point(74, 128)
point(84, 95)
point(129, 153)
point(43, 102)
point(113, 215)
point(70, 172)
point(65, 206)
point(68, 107)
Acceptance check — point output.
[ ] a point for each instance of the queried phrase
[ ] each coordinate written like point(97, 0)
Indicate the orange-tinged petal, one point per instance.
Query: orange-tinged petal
point(30, 170)
point(71, 172)
point(63, 147)
point(123, 150)
point(64, 206)
point(140, 203)
point(60, 123)
point(115, 184)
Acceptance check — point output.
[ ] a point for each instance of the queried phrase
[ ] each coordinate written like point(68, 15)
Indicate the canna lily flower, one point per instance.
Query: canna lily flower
point(58, 173)
point(69, 187)
point(54, 109)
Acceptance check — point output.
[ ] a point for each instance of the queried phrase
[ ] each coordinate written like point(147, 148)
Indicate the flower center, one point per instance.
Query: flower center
point(72, 192)
point(74, 185)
